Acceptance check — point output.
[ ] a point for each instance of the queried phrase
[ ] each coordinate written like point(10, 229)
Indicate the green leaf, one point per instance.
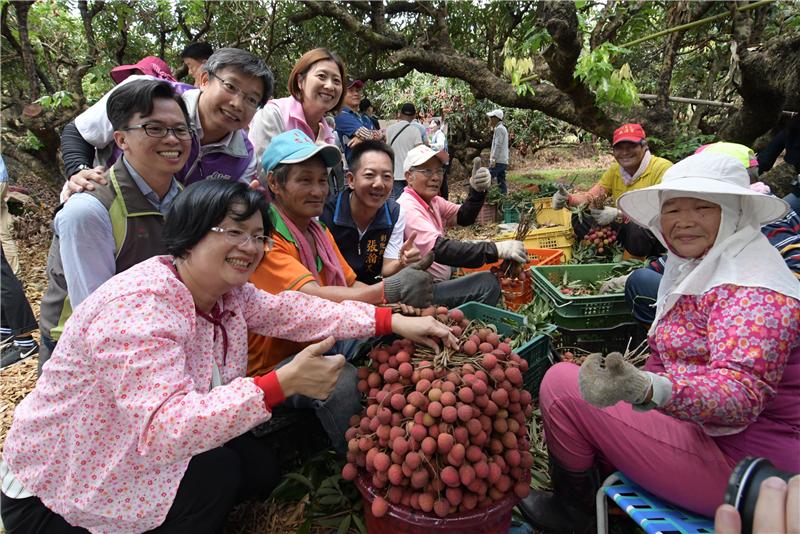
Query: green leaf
point(297, 477)
point(359, 524)
point(305, 528)
point(344, 526)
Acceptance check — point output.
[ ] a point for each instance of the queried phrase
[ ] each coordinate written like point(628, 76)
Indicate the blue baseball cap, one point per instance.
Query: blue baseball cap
point(295, 147)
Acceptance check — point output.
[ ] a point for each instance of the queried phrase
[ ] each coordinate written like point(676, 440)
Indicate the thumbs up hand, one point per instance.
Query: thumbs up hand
point(409, 253)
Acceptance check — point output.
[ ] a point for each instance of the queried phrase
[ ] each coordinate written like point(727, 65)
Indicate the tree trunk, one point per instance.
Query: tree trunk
point(22, 7)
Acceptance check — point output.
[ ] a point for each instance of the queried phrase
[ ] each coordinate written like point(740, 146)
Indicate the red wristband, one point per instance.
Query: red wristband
point(273, 392)
point(383, 321)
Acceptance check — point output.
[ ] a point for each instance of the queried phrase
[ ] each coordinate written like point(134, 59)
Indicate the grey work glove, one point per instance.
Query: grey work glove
point(411, 285)
point(615, 285)
point(481, 178)
point(512, 250)
point(604, 216)
point(560, 198)
point(605, 382)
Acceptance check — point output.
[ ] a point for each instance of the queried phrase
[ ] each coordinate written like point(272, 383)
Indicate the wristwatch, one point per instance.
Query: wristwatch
point(83, 167)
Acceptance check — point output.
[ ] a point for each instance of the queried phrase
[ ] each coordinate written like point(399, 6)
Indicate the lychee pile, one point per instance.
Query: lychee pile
point(443, 433)
point(602, 237)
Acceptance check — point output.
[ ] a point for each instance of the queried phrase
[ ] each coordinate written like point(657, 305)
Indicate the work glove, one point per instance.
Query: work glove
point(411, 285)
point(604, 216)
point(605, 382)
point(481, 178)
point(560, 198)
point(615, 285)
point(512, 250)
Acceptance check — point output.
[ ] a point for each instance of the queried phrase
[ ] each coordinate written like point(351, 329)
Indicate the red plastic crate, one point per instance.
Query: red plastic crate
point(537, 256)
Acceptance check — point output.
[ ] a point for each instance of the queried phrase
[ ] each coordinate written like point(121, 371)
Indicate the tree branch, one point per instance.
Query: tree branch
point(5, 31)
point(388, 41)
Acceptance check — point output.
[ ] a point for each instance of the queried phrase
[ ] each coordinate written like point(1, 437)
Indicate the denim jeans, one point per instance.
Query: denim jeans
point(479, 287)
point(498, 173)
point(397, 188)
point(641, 290)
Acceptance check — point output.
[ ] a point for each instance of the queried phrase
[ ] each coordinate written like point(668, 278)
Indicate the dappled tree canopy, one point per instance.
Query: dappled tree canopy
point(582, 62)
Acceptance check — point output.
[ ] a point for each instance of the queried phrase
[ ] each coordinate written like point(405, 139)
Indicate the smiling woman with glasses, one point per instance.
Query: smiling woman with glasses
point(149, 381)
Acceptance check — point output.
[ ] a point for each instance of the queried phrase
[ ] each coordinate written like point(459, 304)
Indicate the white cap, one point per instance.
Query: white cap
point(704, 173)
point(496, 113)
point(422, 153)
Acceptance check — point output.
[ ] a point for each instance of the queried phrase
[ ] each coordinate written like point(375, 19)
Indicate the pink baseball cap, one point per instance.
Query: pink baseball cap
point(150, 65)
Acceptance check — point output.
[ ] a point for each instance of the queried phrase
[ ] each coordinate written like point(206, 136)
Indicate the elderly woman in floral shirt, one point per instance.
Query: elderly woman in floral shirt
point(140, 420)
point(723, 378)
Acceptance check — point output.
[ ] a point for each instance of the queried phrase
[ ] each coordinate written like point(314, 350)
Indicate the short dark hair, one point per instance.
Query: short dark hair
point(371, 145)
point(198, 51)
point(203, 205)
point(131, 98)
point(364, 105)
point(245, 62)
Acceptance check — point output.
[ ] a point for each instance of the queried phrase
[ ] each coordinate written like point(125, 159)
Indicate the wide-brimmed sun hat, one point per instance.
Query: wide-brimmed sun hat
point(150, 65)
point(705, 173)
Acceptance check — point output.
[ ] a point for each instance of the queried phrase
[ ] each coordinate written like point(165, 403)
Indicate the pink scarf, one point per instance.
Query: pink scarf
point(334, 274)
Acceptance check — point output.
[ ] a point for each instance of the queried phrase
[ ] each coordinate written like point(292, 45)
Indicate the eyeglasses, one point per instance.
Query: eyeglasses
point(159, 131)
point(231, 89)
point(240, 238)
point(430, 172)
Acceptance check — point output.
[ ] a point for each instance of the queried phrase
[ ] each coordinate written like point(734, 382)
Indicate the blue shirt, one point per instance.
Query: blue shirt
point(86, 238)
point(3, 170)
point(347, 124)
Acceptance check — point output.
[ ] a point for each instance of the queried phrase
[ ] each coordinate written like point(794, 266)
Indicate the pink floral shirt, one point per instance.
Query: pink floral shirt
point(733, 357)
point(126, 400)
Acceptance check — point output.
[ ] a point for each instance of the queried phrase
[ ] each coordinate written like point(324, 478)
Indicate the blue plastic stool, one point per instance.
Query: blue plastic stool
point(653, 515)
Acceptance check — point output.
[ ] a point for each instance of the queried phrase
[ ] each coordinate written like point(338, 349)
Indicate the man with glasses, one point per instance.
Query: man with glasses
point(232, 85)
point(428, 216)
point(349, 125)
point(102, 232)
point(635, 168)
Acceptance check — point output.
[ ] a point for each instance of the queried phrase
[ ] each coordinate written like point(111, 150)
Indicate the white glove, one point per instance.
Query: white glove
point(560, 198)
point(605, 216)
point(480, 180)
point(512, 250)
point(615, 285)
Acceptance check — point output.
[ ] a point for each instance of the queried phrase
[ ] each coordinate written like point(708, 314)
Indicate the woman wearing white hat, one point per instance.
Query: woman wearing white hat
point(723, 378)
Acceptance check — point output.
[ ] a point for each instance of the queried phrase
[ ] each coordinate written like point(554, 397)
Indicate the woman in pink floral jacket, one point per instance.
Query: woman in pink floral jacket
point(140, 420)
point(723, 379)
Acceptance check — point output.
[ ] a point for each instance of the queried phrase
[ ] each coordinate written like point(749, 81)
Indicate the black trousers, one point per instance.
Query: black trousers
point(15, 311)
point(637, 240)
point(214, 482)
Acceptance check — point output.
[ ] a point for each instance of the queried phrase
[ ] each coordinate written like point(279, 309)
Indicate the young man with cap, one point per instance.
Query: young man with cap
point(428, 215)
point(233, 84)
point(498, 157)
point(635, 168)
point(349, 125)
point(402, 136)
point(102, 232)
point(147, 66)
point(194, 56)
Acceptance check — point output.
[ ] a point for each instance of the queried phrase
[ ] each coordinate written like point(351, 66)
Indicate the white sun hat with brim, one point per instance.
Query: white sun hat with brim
point(707, 174)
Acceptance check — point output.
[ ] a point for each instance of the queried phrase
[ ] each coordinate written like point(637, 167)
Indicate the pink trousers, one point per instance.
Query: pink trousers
point(672, 459)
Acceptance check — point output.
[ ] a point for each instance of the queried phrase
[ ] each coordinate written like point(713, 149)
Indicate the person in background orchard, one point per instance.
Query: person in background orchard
point(401, 137)
point(349, 126)
point(315, 87)
point(438, 142)
point(723, 378)
point(787, 141)
point(428, 216)
point(194, 56)
point(367, 113)
point(498, 155)
point(149, 66)
point(141, 420)
point(635, 168)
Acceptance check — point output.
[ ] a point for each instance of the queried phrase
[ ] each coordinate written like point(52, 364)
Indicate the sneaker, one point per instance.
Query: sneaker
point(14, 353)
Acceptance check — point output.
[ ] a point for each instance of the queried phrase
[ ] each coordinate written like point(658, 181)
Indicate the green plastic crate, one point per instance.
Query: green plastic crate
point(586, 311)
point(536, 351)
